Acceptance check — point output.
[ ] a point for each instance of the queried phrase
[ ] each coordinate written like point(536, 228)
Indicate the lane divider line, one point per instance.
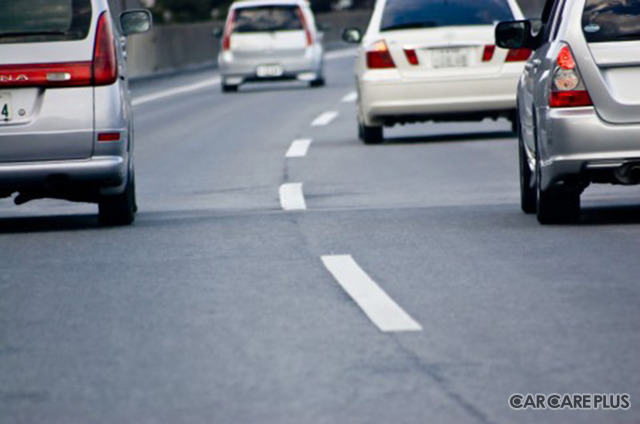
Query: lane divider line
point(299, 148)
point(383, 311)
point(292, 197)
point(350, 98)
point(175, 91)
point(333, 55)
point(324, 119)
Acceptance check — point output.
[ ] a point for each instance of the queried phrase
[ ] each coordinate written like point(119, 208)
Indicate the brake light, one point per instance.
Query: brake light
point(70, 74)
point(412, 57)
point(305, 25)
point(105, 65)
point(567, 89)
point(379, 57)
point(228, 29)
point(487, 55)
point(518, 55)
point(110, 136)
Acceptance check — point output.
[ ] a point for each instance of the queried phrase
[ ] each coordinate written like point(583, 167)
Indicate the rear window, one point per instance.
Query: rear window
point(267, 19)
point(407, 14)
point(611, 20)
point(33, 21)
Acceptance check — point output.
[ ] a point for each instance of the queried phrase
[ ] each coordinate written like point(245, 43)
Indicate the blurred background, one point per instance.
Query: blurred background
point(182, 35)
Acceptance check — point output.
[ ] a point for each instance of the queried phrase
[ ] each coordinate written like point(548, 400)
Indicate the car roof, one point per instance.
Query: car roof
point(256, 3)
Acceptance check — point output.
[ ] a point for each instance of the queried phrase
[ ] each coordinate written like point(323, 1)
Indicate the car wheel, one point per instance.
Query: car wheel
point(527, 182)
point(555, 205)
point(371, 135)
point(228, 88)
point(319, 82)
point(119, 209)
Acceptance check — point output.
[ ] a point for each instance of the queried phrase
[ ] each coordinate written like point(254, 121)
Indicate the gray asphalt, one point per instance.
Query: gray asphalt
point(215, 306)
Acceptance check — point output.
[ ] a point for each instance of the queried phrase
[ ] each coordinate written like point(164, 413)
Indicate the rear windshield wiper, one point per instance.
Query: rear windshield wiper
point(31, 33)
point(411, 25)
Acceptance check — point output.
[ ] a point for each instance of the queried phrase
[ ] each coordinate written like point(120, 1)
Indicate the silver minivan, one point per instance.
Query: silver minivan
point(65, 115)
point(267, 40)
point(578, 102)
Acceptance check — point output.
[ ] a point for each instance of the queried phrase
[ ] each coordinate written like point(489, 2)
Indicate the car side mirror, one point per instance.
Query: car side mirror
point(514, 35)
point(135, 21)
point(217, 32)
point(352, 35)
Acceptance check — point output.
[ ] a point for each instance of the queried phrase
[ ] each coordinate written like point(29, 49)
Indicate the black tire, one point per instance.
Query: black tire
point(527, 180)
point(556, 205)
point(228, 88)
point(371, 135)
point(320, 82)
point(119, 209)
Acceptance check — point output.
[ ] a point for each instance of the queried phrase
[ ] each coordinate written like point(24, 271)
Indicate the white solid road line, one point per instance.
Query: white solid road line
point(324, 119)
point(299, 148)
point(350, 98)
point(175, 91)
point(333, 55)
point(292, 198)
point(376, 304)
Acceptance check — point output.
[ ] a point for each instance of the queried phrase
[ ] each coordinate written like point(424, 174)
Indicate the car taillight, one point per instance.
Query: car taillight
point(379, 57)
point(567, 88)
point(305, 25)
point(70, 74)
point(518, 55)
point(105, 65)
point(487, 55)
point(228, 29)
point(412, 57)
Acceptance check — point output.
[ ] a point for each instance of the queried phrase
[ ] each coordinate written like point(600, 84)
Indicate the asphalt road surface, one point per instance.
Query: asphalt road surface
point(345, 284)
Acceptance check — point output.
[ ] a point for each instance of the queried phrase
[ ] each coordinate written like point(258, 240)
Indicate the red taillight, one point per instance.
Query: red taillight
point(412, 57)
point(71, 74)
point(570, 99)
point(228, 29)
point(105, 64)
point(487, 55)
point(518, 55)
point(565, 59)
point(109, 136)
point(305, 25)
point(567, 88)
point(379, 57)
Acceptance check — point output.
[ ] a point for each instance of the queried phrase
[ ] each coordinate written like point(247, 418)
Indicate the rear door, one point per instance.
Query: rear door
point(444, 38)
point(43, 43)
point(269, 30)
point(611, 63)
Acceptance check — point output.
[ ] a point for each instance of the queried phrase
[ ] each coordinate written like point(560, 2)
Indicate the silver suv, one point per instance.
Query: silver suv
point(578, 102)
point(65, 117)
point(266, 40)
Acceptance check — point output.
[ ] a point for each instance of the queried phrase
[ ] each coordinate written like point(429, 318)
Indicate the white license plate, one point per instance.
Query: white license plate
point(6, 111)
point(449, 58)
point(269, 71)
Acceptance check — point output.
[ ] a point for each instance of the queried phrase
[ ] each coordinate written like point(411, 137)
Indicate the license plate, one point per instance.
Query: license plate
point(6, 110)
point(269, 71)
point(449, 58)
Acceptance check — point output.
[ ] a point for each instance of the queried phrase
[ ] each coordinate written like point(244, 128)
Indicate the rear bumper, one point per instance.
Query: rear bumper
point(99, 171)
point(393, 99)
point(244, 69)
point(576, 143)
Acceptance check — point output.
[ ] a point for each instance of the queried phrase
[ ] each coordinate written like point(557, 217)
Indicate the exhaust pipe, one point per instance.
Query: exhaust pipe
point(633, 173)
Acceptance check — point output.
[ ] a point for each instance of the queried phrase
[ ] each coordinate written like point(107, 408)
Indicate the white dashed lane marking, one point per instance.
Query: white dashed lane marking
point(350, 98)
point(299, 148)
point(292, 197)
point(325, 118)
point(386, 314)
